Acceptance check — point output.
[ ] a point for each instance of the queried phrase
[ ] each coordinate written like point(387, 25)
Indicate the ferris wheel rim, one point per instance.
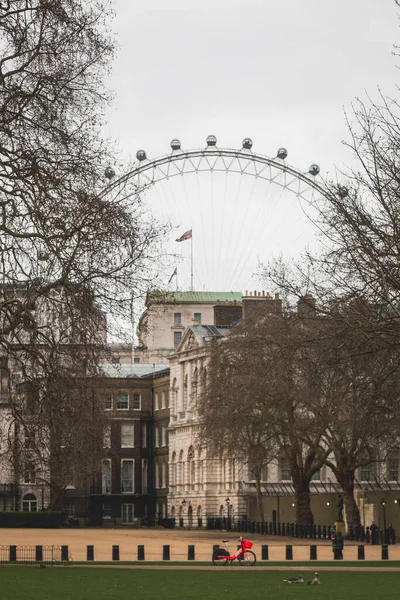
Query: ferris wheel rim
point(176, 156)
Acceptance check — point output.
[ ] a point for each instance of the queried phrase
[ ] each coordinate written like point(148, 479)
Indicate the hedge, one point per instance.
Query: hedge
point(31, 519)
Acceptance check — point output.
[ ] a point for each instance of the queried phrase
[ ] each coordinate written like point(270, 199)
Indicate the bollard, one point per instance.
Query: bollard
point(89, 552)
point(115, 552)
point(39, 553)
point(165, 552)
point(313, 552)
point(289, 552)
point(264, 552)
point(191, 553)
point(13, 553)
point(140, 552)
point(64, 552)
point(361, 552)
point(385, 552)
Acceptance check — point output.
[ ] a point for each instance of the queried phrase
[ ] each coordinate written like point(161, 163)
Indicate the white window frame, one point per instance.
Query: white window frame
point(156, 407)
point(157, 475)
point(108, 396)
point(132, 462)
point(157, 437)
point(131, 435)
point(127, 509)
point(127, 396)
point(106, 482)
point(163, 400)
point(163, 475)
point(135, 398)
point(163, 436)
point(107, 436)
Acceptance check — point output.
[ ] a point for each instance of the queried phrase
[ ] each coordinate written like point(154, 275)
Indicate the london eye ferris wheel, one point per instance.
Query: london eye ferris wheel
point(241, 208)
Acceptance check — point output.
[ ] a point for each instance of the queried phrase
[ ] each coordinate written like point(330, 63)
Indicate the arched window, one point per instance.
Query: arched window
point(29, 503)
point(181, 470)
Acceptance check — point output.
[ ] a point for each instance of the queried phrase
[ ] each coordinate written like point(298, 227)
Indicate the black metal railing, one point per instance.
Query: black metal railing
point(298, 530)
point(33, 554)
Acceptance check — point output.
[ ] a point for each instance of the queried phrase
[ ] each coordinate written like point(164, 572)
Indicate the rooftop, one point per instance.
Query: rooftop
point(133, 371)
point(161, 296)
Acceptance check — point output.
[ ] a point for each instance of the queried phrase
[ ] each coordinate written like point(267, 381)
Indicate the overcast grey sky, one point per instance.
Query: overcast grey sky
point(279, 72)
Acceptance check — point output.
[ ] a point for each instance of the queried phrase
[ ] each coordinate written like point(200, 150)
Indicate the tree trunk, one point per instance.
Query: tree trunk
point(303, 502)
point(346, 481)
point(260, 505)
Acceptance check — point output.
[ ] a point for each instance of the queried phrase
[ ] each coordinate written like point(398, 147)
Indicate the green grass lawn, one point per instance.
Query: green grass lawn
point(33, 583)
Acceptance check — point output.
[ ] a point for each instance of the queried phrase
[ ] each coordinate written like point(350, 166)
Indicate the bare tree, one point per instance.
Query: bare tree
point(257, 399)
point(70, 251)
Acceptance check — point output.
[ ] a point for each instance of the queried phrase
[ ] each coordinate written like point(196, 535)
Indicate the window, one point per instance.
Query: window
point(393, 469)
point(106, 510)
point(29, 440)
point(127, 513)
point(106, 477)
point(29, 474)
point(365, 473)
point(285, 470)
point(127, 476)
point(107, 436)
point(156, 407)
point(136, 401)
point(197, 317)
point(157, 437)
point(122, 401)
point(127, 435)
point(163, 475)
point(108, 401)
point(68, 509)
point(144, 435)
point(177, 318)
point(115, 360)
point(136, 360)
point(316, 476)
point(145, 475)
point(177, 338)
point(163, 436)
point(157, 475)
point(163, 400)
point(29, 503)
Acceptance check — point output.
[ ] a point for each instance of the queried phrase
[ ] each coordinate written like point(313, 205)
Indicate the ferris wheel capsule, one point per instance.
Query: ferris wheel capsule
point(314, 170)
point(342, 191)
point(141, 155)
point(175, 144)
point(211, 140)
point(282, 153)
point(109, 173)
point(247, 143)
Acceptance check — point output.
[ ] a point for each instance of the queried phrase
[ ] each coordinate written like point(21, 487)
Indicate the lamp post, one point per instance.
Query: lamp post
point(383, 503)
point(228, 508)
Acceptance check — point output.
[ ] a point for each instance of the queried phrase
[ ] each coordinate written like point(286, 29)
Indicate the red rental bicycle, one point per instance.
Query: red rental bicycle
point(246, 558)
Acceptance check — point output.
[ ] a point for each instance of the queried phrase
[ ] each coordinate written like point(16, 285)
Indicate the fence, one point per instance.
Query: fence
point(296, 530)
point(51, 555)
point(34, 554)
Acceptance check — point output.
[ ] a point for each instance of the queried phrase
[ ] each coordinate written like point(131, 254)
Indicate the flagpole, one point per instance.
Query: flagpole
point(191, 262)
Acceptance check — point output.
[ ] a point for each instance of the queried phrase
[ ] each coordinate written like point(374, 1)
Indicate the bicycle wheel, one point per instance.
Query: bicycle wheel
point(219, 562)
point(248, 559)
